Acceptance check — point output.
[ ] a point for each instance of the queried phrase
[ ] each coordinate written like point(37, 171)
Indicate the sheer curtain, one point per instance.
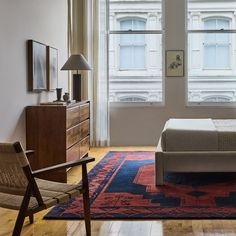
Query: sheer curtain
point(87, 35)
point(100, 77)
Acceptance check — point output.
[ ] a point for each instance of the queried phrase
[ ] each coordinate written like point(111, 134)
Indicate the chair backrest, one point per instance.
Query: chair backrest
point(12, 161)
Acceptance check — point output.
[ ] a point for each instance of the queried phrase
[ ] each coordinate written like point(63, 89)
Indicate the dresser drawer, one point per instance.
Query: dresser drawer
point(84, 146)
point(73, 135)
point(73, 153)
point(84, 129)
point(72, 116)
point(84, 112)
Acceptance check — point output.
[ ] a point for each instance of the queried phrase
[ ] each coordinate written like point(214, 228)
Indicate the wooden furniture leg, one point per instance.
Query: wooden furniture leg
point(86, 201)
point(31, 219)
point(22, 212)
point(159, 169)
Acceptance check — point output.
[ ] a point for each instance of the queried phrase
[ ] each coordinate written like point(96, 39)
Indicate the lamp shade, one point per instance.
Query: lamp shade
point(76, 62)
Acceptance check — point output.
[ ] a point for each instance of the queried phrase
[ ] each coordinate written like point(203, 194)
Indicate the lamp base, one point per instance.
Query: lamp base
point(77, 85)
point(59, 92)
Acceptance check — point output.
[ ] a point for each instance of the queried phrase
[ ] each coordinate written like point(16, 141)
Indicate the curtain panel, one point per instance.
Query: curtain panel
point(87, 34)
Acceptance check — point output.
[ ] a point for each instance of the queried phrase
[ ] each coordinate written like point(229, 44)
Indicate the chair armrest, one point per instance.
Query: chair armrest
point(29, 152)
point(65, 165)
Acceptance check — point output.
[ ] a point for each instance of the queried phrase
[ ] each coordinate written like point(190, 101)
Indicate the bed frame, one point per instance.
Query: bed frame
point(192, 161)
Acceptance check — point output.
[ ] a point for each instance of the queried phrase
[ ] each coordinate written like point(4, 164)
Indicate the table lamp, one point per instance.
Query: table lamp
point(76, 62)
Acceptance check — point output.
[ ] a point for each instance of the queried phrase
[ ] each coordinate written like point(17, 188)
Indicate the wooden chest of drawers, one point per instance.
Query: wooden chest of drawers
point(58, 134)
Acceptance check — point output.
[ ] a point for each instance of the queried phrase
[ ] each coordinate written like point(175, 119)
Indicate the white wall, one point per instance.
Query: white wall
point(41, 20)
point(143, 125)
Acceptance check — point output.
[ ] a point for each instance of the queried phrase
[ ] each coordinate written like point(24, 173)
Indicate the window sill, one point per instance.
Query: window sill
point(212, 104)
point(217, 69)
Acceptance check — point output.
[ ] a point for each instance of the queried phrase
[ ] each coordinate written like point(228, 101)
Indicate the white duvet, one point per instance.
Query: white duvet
point(189, 135)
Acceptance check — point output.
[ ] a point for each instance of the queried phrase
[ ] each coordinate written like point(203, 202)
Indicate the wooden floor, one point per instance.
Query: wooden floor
point(112, 228)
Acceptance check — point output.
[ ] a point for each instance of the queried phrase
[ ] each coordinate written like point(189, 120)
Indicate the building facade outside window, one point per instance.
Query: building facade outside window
point(211, 51)
point(135, 51)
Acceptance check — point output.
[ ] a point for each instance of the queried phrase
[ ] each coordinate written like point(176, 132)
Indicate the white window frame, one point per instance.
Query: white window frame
point(202, 31)
point(147, 32)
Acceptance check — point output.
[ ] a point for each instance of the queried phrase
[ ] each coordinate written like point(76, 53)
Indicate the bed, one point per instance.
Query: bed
point(196, 145)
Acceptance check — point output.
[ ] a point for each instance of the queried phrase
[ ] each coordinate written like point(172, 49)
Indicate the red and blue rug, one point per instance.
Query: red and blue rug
point(122, 187)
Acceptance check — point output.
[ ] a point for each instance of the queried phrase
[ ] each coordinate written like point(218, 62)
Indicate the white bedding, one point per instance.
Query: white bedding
point(199, 135)
point(226, 134)
point(189, 135)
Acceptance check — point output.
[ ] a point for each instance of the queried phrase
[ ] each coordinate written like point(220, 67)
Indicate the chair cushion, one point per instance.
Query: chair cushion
point(14, 201)
point(51, 192)
point(59, 191)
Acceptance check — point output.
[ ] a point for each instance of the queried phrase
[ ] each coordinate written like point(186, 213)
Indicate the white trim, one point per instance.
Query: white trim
point(220, 31)
point(212, 104)
point(136, 32)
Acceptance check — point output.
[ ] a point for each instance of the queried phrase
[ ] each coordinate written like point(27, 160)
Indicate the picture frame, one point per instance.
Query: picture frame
point(37, 66)
point(52, 68)
point(174, 63)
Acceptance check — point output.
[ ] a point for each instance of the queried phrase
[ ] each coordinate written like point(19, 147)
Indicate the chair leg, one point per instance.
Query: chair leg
point(19, 224)
point(31, 218)
point(87, 213)
point(22, 213)
point(86, 202)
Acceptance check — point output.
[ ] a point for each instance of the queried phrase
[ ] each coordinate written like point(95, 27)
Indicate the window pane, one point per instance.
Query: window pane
point(210, 56)
point(216, 52)
point(128, 39)
point(139, 57)
point(126, 57)
point(222, 57)
point(210, 38)
point(132, 51)
point(139, 39)
point(222, 38)
point(132, 57)
point(139, 25)
point(222, 24)
point(135, 71)
point(126, 25)
point(210, 24)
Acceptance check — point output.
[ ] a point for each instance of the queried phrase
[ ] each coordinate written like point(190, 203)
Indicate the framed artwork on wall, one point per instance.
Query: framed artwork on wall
point(175, 63)
point(52, 68)
point(37, 66)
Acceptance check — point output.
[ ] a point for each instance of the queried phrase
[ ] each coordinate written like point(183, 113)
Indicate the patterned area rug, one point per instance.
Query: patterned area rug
point(122, 187)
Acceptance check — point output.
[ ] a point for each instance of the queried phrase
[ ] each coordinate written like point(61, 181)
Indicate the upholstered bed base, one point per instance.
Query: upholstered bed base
point(195, 161)
point(177, 160)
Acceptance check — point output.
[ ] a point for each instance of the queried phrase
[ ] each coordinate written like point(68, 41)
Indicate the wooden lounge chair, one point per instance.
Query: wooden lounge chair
point(21, 190)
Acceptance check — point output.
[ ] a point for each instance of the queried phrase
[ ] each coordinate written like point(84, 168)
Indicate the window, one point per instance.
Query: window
point(135, 51)
point(216, 46)
point(132, 46)
point(211, 52)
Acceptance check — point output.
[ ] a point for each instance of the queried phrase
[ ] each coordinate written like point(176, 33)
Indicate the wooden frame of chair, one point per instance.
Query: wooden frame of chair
point(33, 191)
